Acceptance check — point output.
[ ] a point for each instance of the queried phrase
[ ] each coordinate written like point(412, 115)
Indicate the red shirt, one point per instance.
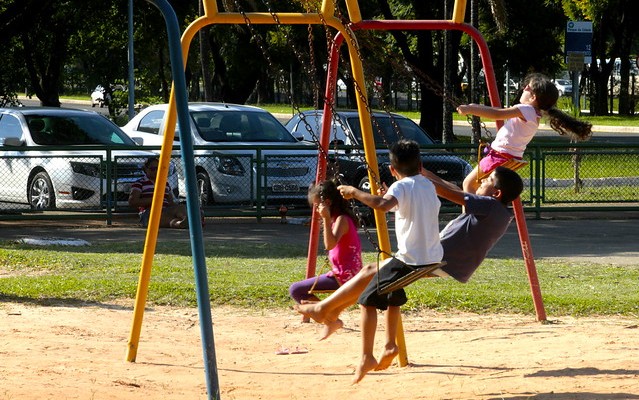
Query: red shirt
point(146, 187)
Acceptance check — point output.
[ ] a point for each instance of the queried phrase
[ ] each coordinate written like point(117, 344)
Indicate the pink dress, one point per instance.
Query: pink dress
point(346, 257)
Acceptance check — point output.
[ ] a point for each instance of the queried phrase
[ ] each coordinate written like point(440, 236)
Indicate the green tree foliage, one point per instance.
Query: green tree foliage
point(615, 29)
point(523, 47)
point(52, 46)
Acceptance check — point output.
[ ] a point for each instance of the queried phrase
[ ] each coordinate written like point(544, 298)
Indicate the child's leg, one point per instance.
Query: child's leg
point(348, 297)
point(390, 348)
point(299, 291)
point(368, 326)
point(347, 294)
point(179, 223)
point(470, 184)
point(350, 292)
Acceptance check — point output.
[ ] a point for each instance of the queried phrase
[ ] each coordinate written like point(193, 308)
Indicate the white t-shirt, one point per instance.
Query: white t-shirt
point(416, 221)
point(516, 133)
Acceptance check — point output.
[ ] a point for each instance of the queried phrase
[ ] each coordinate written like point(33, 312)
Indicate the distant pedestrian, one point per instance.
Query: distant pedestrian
point(173, 214)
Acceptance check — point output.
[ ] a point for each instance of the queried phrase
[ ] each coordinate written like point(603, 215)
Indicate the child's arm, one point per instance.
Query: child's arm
point(445, 189)
point(494, 113)
point(385, 203)
point(333, 234)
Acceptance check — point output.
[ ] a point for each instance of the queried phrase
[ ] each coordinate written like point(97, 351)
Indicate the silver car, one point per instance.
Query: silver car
point(246, 145)
point(75, 177)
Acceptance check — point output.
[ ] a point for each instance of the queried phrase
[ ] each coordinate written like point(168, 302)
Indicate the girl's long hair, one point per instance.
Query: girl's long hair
point(547, 94)
point(327, 190)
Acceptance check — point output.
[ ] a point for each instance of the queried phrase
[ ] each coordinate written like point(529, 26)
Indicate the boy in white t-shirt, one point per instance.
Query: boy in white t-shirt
point(414, 200)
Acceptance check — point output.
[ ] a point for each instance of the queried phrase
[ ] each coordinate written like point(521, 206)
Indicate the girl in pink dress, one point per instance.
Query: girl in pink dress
point(340, 239)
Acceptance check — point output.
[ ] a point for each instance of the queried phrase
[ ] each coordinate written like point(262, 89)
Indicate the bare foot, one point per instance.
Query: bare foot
point(368, 363)
point(311, 311)
point(331, 327)
point(180, 223)
point(387, 358)
point(308, 301)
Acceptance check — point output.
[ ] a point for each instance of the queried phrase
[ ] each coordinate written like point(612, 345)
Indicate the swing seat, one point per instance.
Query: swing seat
point(512, 164)
point(427, 271)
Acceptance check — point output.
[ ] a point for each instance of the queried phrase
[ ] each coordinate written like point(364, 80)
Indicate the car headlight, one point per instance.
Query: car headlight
point(228, 165)
point(88, 169)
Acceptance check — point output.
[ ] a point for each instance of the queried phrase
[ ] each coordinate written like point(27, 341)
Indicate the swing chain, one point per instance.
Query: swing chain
point(482, 124)
point(266, 55)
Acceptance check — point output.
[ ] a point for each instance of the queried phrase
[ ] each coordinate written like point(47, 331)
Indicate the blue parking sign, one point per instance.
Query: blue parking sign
point(579, 39)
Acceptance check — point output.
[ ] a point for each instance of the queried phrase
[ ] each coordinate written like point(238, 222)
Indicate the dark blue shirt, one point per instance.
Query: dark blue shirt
point(468, 238)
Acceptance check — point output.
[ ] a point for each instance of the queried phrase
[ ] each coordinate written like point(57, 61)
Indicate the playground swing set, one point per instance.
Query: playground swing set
point(328, 16)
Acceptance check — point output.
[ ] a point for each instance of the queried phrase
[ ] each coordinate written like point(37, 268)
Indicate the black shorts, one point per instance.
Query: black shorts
point(392, 270)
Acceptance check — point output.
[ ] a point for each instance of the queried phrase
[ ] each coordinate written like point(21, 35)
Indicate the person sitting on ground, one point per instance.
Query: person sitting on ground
point(173, 214)
point(466, 241)
point(340, 239)
point(413, 199)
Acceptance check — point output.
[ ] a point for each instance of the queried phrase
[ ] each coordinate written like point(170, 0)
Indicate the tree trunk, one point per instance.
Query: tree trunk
point(431, 105)
point(44, 69)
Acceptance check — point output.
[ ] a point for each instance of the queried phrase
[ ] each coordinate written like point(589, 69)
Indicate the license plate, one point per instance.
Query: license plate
point(285, 187)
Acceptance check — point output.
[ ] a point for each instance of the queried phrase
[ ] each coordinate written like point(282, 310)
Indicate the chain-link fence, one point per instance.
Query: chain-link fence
point(229, 181)
point(40, 180)
point(586, 175)
point(242, 181)
point(579, 177)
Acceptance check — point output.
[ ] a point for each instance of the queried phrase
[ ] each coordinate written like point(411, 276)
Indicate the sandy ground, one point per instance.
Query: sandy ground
point(79, 352)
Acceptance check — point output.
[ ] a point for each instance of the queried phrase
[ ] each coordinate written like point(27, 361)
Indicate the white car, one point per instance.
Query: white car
point(99, 97)
point(242, 139)
point(75, 177)
point(564, 87)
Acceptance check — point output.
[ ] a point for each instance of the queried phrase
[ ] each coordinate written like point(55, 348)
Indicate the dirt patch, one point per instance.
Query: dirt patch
point(79, 353)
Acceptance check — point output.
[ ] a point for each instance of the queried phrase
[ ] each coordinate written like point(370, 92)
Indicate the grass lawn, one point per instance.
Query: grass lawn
point(258, 277)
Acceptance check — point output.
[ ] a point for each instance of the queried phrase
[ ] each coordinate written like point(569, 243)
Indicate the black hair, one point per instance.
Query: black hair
point(546, 95)
point(509, 182)
point(149, 160)
point(327, 190)
point(405, 157)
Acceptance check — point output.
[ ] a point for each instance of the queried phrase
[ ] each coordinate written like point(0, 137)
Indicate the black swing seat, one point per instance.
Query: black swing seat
point(425, 271)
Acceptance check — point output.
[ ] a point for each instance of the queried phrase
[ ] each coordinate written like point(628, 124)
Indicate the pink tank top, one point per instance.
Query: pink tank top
point(346, 256)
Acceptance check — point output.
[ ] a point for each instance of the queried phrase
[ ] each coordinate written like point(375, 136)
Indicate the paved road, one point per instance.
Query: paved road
point(578, 238)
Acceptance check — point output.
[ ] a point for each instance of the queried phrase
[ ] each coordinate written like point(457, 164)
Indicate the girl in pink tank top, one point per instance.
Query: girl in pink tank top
point(340, 239)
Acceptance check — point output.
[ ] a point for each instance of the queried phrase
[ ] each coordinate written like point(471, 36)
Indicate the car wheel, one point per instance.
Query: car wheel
point(366, 214)
point(364, 185)
point(204, 191)
point(41, 194)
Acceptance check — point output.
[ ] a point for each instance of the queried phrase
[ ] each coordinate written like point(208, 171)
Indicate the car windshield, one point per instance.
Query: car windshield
point(240, 126)
point(385, 132)
point(52, 130)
